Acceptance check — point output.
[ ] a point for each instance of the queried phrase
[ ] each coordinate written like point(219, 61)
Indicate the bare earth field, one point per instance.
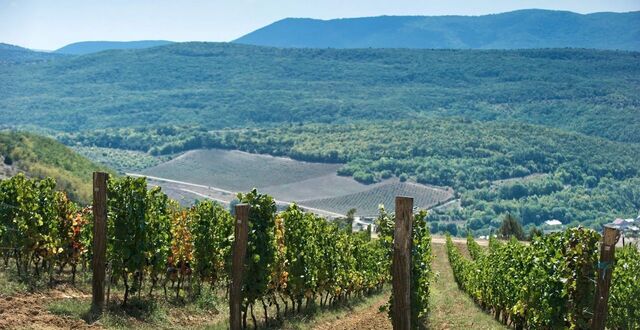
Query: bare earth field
point(220, 174)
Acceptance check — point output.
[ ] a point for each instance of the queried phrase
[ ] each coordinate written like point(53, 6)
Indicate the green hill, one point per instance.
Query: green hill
point(532, 28)
point(88, 47)
point(43, 157)
point(217, 85)
point(10, 54)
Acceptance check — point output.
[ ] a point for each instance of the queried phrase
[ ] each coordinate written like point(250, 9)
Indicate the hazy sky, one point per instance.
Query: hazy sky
point(50, 24)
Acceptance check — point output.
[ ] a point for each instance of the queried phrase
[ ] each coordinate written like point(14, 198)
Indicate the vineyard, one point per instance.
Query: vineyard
point(294, 258)
point(550, 283)
point(295, 261)
point(367, 202)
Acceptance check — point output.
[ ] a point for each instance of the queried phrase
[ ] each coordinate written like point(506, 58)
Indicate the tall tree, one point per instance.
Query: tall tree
point(511, 227)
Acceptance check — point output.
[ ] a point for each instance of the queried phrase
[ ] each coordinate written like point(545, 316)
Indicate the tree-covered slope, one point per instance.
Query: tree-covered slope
point(531, 28)
point(43, 157)
point(10, 54)
point(88, 47)
point(228, 85)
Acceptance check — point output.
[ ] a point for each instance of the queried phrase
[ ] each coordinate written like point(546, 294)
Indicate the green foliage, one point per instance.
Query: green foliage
point(118, 159)
point(475, 251)
point(158, 232)
point(39, 226)
point(43, 157)
point(421, 272)
point(511, 227)
point(212, 230)
point(624, 305)
point(302, 253)
point(546, 284)
point(261, 249)
point(174, 85)
point(127, 234)
point(421, 257)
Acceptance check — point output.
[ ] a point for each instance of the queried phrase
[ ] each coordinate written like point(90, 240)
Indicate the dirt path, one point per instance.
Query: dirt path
point(369, 318)
point(441, 240)
point(450, 307)
point(29, 311)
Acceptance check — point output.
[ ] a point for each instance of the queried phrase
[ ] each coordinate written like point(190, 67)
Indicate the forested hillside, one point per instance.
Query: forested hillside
point(226, 85)
point(532, 28)
point(43, 157)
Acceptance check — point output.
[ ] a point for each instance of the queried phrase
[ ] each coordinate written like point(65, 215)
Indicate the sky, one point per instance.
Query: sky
point(51, 24)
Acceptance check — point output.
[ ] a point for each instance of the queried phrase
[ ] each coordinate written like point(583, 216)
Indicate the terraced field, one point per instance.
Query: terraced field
point(220, 173)
point(367, 202)
point(237, 170)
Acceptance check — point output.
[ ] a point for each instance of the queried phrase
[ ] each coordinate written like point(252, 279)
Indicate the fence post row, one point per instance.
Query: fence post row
point(99, 239)
point(238, 255)
point(603, 282)
point(401, 267)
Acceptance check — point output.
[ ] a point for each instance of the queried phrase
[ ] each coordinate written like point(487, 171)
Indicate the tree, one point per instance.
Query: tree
point(452, 229)
point(511, 227)
point(535, 232)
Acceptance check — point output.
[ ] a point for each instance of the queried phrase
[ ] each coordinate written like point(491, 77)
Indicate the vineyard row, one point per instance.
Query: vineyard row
point(549, 283)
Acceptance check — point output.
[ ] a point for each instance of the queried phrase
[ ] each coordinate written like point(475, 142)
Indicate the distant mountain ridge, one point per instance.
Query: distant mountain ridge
point(11, 54)
point(88, 47)
point(530, 28)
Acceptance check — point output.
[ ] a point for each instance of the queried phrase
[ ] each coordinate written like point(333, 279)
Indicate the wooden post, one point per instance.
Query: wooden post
point(401, 268)
point(605, 269)
point(99, 239)
point(238, 255)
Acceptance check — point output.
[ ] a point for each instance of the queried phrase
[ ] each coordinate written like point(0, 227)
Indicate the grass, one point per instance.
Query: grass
point(207, 312)
point(9, 286)
point(44, 157)
point(451, 308)
point(316, 315)
point(331, 313)
point(147, 313)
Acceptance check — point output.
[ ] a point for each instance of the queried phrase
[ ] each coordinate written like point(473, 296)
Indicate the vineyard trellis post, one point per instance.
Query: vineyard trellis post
point(99, 239)
point(401, 268)
point(237, 265)
point(603, 282)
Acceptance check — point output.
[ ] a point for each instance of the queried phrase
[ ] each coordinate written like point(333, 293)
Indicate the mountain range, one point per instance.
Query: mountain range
point(531, 28)
point(88, 47)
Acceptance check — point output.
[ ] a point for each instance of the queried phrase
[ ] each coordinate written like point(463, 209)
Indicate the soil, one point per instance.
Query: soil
point(29, 311)
point(369, 318)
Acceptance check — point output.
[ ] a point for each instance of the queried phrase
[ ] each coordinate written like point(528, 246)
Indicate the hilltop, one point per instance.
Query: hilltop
point(11, 54)
point(44, 157)
point(532, 28)
point(88, 47)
